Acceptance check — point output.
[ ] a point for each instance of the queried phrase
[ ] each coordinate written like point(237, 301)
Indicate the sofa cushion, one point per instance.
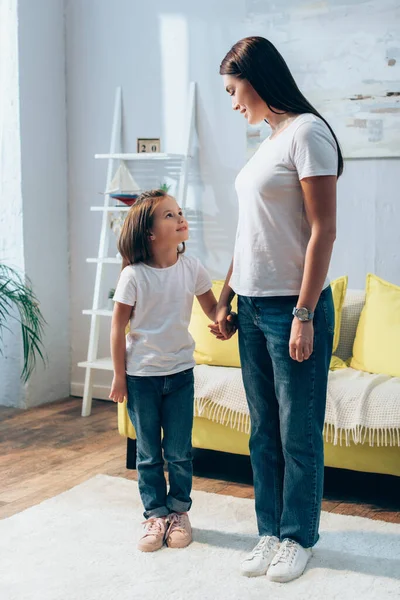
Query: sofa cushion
point(337, 363)
point(352, 307)
point(376, 346)
point(209, 350)
point(339, 288)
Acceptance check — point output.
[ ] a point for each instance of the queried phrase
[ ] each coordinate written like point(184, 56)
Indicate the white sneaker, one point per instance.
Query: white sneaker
point(258, 561)
point(289, 562)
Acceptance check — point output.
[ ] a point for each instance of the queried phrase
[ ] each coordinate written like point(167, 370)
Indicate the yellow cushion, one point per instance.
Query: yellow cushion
point(376, 346)
point(337, 363)
point(339, 288)
point(209, 350)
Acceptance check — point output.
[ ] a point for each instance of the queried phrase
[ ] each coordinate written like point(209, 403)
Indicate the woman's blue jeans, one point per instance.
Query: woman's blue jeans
point(287, 402)
point(164, 403)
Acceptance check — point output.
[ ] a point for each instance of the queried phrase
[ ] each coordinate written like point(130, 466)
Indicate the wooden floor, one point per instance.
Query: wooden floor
point(51, 448)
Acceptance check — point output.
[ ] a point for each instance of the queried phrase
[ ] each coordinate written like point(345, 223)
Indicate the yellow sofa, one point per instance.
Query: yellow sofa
point(213, 436)
point(219, 433)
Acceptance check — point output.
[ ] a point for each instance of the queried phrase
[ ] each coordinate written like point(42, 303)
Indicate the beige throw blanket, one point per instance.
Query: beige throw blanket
point(360, 407)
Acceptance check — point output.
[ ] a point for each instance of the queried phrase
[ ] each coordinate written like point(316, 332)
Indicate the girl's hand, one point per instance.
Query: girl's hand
point(301, 344)
point(221, 318)
point(230, 327)
point(119, 391)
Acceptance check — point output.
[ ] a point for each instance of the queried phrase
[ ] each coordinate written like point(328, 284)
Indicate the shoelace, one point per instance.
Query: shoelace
point(286, 552)
point(153, 526)
point(265, 543)
point(176, 521)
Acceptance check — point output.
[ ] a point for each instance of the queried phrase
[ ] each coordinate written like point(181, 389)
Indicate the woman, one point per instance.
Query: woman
point(285, 235)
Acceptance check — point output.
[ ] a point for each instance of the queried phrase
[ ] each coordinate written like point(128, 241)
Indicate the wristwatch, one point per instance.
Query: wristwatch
point(303, 314)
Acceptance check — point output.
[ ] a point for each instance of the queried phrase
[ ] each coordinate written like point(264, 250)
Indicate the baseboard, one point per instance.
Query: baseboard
point(100, 392)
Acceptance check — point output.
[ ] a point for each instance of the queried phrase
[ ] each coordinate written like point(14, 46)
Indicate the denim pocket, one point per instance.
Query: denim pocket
point(329, 312)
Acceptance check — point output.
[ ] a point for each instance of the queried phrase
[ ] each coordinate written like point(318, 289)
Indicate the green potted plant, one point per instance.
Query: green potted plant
point(110, 304)
point(164, 187)
point(17, 293)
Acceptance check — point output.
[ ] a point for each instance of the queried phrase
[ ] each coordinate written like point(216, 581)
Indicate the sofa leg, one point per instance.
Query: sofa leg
point(130, 454)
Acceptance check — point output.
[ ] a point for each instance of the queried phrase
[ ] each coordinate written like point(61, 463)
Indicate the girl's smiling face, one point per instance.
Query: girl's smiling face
point(245, 99)
point(169, 225)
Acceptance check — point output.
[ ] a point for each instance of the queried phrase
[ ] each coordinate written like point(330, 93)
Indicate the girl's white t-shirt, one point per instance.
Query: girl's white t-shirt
point(273, 231)
point(159, 342)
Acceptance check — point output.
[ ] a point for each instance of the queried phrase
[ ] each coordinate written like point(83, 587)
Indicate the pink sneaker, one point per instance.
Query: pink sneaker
point(179, 534)
point(154, 536)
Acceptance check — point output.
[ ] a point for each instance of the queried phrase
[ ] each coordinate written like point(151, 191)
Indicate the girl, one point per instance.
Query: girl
point(154, 368)
point(286, 230)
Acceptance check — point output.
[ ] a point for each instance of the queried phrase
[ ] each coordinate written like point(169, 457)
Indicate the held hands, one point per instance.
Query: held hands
point(225, 325)
point(301, 343)
point(119, 391)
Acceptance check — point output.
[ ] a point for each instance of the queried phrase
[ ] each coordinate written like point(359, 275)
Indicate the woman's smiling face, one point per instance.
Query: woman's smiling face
point(245, 99)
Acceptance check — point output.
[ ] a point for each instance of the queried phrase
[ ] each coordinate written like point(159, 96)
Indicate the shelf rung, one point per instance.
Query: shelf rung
point(103, 364)
point(142, 156)
point(101, 312)
point(107, 260)
point(110, 208)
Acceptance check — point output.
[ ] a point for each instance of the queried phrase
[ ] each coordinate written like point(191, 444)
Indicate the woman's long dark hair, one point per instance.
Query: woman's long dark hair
point(259, 62)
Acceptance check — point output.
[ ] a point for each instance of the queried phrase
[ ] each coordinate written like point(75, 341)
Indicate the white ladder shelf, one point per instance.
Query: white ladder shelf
point(97, 312)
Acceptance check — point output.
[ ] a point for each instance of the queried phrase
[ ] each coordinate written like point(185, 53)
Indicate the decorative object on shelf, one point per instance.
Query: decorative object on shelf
point(148, 145)
point(123, 187)
point(110, 303)
point(116, 223)
point(165, 187)
point(16, 292)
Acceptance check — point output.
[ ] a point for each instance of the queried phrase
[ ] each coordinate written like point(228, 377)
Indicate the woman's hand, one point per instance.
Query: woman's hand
point(301, 344)
point(225, 325)
point(119, 391)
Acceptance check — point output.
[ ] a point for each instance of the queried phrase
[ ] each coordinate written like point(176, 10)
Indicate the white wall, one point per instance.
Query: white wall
point(153, 50)
point(11, 233)
point(368, 228)
point(35, 163)
point(44, 185)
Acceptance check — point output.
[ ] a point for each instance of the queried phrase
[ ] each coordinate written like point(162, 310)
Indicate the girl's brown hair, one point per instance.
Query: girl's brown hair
point(133, 244)
point(259, 62)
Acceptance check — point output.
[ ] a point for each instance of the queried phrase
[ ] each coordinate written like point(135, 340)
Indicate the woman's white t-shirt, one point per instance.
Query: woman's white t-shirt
point(159, 342)
point(273, 231)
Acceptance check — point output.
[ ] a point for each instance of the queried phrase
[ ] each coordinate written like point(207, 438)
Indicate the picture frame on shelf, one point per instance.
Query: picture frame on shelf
point(149, 145)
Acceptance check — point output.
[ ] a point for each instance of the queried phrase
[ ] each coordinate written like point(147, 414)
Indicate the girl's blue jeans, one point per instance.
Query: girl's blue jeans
point(155, 404)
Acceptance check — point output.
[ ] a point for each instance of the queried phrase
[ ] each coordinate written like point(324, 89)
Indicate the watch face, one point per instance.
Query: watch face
point(302, 314)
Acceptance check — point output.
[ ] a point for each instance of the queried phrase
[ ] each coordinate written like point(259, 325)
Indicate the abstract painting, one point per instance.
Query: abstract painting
point(345, 58)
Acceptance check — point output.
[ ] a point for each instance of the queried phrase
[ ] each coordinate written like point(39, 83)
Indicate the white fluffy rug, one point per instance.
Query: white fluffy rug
point(81, 545)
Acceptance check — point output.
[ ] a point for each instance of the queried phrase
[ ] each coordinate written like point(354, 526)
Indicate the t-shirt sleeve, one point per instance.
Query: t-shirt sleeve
point(126, 291)
point(314, 150)
point(203, 281)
